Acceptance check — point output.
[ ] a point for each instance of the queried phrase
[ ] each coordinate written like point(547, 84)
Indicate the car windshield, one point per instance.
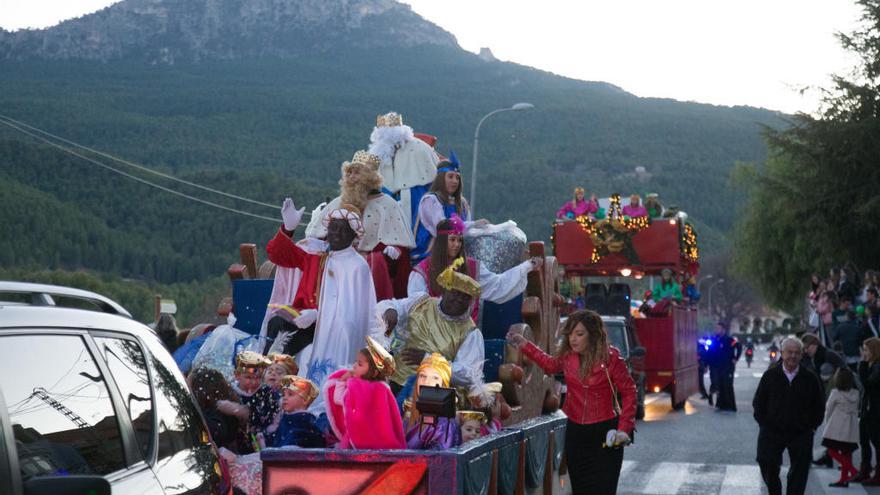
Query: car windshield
point(617, 336)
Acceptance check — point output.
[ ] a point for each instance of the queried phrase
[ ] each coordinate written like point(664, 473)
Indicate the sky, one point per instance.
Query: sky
point(748, 52)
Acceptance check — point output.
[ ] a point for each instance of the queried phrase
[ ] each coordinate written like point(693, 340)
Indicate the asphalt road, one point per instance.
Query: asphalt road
point(701, 451)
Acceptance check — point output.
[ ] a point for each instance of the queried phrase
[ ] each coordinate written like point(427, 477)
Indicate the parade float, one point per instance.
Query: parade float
point(606, 255)
point(523, 457)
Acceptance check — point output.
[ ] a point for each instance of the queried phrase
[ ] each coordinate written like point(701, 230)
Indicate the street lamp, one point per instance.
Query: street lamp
point(719, 281)
point(516, 107)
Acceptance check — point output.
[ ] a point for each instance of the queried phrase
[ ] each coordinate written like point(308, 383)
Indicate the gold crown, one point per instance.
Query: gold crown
point(450, 279)
point(287, 361)
point(578, 190)
point(438, 363)
point(471, 416)
point(251, 362)
point(303, 387)
point(390, 119)
point(366, 158)
point(381, 358)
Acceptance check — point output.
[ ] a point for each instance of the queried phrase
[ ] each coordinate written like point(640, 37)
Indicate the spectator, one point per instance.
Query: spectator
point(841, 424)
point(166, 329)
point(869, 372)
point(871, 298)
point(789, 406)
point(816, 354)
point(850, 336)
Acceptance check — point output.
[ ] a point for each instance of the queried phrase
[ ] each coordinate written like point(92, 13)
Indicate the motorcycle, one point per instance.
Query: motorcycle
point(750, 354)
point(774, 356)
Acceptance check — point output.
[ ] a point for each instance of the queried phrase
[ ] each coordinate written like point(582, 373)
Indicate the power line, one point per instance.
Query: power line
point(135, 165)
point(133, 177)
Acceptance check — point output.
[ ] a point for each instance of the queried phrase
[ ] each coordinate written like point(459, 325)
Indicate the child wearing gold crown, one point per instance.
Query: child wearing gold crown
point(578, 206)
point(471, 424)
point(444, 433)
point(294, 425)
point(360, 406)
point(260, 400)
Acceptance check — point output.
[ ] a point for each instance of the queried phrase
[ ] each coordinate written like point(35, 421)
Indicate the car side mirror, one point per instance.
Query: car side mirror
point(67, 485)
point(638, 351)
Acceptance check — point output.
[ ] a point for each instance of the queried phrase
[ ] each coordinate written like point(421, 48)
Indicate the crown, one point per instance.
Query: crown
point(438, 363)
point(578, 190)
point(390, 119)
point(251, 362)
point(285, 360)
point(381, 358)
point(303, 387)
point(366, 158)
point(450, 279)
point(471, 416)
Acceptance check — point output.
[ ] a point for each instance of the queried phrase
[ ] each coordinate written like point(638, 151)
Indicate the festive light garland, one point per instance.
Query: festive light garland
point(689, 249)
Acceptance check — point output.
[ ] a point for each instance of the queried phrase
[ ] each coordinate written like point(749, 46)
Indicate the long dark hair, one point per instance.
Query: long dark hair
point(208, 386)
point(597, 338)
point(438, 187)
point(440, 257)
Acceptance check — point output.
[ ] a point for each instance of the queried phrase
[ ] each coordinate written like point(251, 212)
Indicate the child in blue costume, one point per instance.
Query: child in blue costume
point(294, 425)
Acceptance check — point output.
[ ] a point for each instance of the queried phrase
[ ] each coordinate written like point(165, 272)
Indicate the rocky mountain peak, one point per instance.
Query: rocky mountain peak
point(168, 31)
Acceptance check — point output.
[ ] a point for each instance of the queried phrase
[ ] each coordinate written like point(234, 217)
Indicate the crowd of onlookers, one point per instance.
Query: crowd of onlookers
point(843, 309)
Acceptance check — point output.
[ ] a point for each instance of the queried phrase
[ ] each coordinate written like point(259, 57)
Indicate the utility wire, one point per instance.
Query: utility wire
point(133, 177)
point(135, 165)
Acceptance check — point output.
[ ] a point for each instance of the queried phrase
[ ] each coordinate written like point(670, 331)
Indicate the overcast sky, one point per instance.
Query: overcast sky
point(745, 52)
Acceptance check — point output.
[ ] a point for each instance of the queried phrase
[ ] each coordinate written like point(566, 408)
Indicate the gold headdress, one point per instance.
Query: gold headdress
point(579, 190)
point(438, 363)
point(287, 361)
point(251, 362)
point(390, 119)
point(471, 416)
point(450, 279)
point(366, 158)
point(381, 358)
point(303, 387)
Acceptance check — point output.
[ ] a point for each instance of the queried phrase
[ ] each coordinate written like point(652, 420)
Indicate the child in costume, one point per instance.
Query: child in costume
point(293, 425)
point(361, 408)
point(261, 401)
point(282, 365)
point(209, 387)
point(578, 206)
point(435, 370)
point(471, 424)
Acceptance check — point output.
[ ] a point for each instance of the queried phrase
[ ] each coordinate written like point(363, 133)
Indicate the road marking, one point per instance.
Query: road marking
point(757, 375)
point(667, 477)
point(740, 480)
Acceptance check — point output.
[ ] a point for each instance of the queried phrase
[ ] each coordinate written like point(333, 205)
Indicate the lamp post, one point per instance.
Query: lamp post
point(719, 281)
point(700, 282)
point(516, 107)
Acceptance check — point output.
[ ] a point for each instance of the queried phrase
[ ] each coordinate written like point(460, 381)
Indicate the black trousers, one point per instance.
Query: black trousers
point(865, 443)
point(593, 470)
point(771, 444)
point(702, 373)
point(726, 399)
point(300, 339)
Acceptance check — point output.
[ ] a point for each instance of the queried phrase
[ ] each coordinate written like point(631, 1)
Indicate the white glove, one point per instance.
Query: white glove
point(290, 214)
point(392, 252)
point(610, 437)
point(621, 438)
point(306, 318)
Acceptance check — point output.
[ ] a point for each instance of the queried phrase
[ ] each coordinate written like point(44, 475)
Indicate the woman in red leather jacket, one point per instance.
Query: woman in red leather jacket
point(599, 423)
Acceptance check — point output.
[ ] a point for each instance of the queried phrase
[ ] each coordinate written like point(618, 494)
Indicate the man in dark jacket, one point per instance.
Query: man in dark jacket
point(723, 355)
point(789, 405)
point(849, 333)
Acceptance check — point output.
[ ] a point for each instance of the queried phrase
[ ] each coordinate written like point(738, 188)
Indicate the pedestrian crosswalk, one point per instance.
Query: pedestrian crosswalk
point(685, 478)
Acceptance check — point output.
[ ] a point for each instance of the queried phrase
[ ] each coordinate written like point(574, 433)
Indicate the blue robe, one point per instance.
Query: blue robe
point(298, 428)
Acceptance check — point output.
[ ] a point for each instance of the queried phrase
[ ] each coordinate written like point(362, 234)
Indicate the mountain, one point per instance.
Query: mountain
point(266, 98)
point(168, 32)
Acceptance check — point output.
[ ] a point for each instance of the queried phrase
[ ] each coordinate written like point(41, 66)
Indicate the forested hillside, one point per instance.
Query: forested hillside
point(266, 127)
